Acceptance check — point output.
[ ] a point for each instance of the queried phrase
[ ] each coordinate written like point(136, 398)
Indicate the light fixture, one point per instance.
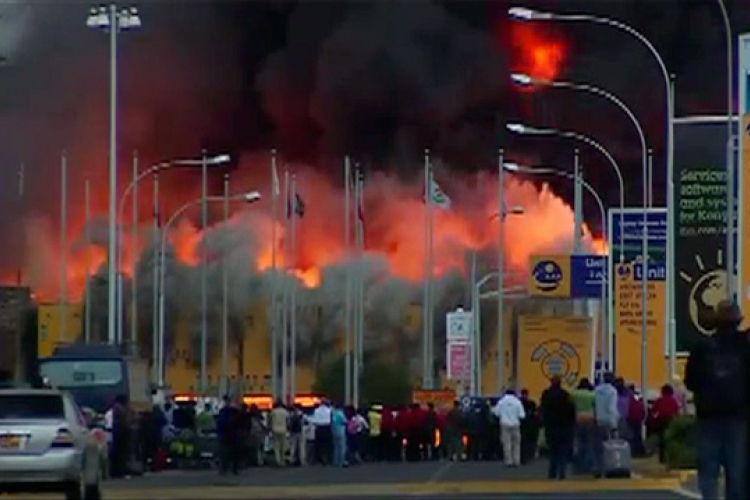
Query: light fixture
point(522, 79)
point(525, 14)
point(251, 196)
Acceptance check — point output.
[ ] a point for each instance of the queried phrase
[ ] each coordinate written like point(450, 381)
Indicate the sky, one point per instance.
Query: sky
point(316, 80)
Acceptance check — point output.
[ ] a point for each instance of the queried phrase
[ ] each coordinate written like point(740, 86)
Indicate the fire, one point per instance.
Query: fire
point(538, 55)
point(394, 229)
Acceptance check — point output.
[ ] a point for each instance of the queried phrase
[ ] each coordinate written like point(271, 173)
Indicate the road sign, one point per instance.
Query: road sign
point(458, 326)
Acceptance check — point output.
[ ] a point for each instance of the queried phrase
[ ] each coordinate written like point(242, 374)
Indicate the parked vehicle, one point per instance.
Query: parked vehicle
point(46, 445)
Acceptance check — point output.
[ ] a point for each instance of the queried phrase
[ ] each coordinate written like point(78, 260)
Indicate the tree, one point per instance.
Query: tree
point(381, 382)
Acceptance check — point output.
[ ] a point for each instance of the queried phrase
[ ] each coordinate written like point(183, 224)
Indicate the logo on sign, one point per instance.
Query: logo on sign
point(558, 358)
point(547, 275)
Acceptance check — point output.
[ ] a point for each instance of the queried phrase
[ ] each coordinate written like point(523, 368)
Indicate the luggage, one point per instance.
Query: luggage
point(617, 457)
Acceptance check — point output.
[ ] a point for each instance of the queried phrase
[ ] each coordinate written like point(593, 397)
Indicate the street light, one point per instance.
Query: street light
point(524, 14)
point(113, 20)
point(529, 130)
point(514, 167)
point(581, 87)
point(214, 161)
point(249, 197)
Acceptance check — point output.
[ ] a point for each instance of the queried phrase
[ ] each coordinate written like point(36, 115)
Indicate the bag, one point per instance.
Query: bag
point(352, 426)
point(724, 385)
point(617, 457)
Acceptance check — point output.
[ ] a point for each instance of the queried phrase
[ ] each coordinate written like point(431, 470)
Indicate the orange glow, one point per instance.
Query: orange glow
point(265, 401)
point(538, 55)
point(394, 229)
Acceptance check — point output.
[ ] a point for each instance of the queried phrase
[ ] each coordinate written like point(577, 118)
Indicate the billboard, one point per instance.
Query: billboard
point(743, 211)
point(628, 322)
point(700, 216)
point(549, 346)
point(567, 276)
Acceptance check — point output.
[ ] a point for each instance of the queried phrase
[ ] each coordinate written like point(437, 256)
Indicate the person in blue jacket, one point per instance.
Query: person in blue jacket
point(338, 428)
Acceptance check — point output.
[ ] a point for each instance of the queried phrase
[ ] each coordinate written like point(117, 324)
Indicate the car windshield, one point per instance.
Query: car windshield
point(31, 406)
point(81, 373)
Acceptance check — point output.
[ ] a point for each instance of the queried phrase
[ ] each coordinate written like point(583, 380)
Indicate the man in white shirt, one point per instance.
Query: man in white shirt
point(509, 410)
point(323, 436)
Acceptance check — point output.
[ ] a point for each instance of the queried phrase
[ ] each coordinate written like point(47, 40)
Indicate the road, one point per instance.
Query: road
point(435, 480)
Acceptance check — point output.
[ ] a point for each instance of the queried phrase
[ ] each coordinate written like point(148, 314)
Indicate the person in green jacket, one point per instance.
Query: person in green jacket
point(583, 398)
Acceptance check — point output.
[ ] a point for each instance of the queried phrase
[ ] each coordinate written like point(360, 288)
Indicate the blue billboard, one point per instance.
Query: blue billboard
point(588, 274)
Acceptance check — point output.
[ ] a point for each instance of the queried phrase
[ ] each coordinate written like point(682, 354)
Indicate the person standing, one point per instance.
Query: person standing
point(665, 409)
point(509, 410)
point(718, 374)
point(279, 422)
point(322, 417)
point(607, 419)
point(529, 428)
point(297, 440)
point(121, 436)
point(228, 430)
point(636, 418)
point(453, 427)
point(377, 441)
point(558, 418)
point(583, 399)
point(338, 430)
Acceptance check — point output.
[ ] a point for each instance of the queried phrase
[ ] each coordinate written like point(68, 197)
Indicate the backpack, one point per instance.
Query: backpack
point(352, 426)
point(636, 410)
point(724, 386)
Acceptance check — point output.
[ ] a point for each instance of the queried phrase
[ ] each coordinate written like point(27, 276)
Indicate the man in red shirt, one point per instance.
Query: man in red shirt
point(665, 409)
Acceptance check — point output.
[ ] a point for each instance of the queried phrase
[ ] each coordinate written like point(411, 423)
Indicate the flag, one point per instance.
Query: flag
point(437, 196)
point(297, 209)
point(361, 201)
point(275, 180)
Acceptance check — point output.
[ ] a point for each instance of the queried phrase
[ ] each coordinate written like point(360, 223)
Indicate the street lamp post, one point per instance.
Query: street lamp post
point(524, 14)
point(113, 20)
point(213, 161)
point(249, 197)
point(513, 167)
point(522, 79)
point(531, 130)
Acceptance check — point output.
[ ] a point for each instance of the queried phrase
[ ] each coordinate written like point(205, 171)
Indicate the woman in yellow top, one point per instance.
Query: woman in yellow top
point(377, 443)
point(583, 398)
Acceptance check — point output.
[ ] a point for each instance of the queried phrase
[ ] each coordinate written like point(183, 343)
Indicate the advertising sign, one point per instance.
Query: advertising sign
point(587, 275)
point(629, 223)
point(627, 319)
point(566, 276)
point(743, 210)
point(459, 361)
point(700, 194)
point(553, 346)
point(458, 327)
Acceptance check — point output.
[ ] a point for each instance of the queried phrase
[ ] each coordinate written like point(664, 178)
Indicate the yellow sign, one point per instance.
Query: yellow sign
point(549, 276)
point(744, 220)
point(627, 317)
point(550, 346)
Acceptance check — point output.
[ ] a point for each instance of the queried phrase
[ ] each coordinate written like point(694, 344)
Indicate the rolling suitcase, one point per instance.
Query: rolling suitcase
point(617, 457)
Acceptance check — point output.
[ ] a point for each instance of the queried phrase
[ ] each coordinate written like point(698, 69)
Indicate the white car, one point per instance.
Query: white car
point(46, 446)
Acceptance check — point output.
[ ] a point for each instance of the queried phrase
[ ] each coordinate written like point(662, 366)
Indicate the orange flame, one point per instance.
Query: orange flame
point(537, 55)
point(394, 229)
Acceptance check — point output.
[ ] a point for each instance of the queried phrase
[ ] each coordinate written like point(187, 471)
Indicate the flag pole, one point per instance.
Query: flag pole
point(64, 247)
point(358, 295)
point(293, 309)
point(87, 234)
point(285, 292)
point(21, 206)
point(155, 270)
point(274, 278)
point(348, 298)
point(361, 250)
point(425, 301)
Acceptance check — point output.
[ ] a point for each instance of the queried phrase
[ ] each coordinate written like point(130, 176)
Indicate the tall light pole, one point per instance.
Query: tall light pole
point(210, 162)
point(524, 14)
point(731, 279)
point(531, 130)
point(522, 79)
point(64, 248)
point(513, 167)
point(113, 20)
point(249, 197)
point(225, 298)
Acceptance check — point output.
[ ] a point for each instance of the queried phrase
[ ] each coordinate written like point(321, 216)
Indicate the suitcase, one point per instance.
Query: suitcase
point(617, 457)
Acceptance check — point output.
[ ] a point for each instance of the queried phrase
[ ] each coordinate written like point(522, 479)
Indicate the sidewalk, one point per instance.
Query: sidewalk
point(652, 469)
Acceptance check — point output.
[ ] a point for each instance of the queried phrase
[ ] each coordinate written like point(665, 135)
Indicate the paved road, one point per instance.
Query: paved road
point(437, 480)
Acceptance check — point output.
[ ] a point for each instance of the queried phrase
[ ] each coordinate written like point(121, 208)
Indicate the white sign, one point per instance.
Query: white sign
point(458, 326)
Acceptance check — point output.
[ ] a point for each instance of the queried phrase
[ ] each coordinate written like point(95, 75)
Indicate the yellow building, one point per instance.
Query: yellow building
point(50, 331)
